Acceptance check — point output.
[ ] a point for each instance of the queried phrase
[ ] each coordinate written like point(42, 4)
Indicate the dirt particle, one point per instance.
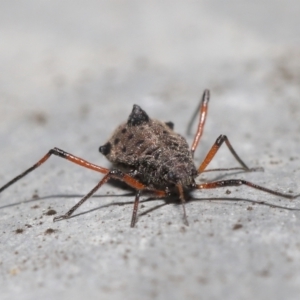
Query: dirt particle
point(228, 192)
point(182, 229)
point(249, 208)
point(237, 226)
point(39, 118)
point(14, 271)
point(264, 273)
point(202, 280)
point(84, 111)
point(50, 231)
point(50, 212)
point(19, 231)
point(275, 162)
point(35, 196)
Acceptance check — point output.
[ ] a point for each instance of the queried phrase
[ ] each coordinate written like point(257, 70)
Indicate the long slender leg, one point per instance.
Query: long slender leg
point(88, 195)
point(214, 149)
point(238, 182)
point(79, 161)
point(203, 113)
point(60, 153)
point(181, 196)
point(135, 209)
point(116, 174)
point(231, 169)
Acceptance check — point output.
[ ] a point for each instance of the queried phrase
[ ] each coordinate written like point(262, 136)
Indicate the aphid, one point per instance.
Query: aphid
point(149, 155)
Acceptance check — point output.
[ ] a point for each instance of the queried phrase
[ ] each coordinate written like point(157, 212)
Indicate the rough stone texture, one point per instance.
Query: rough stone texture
point(70, 73)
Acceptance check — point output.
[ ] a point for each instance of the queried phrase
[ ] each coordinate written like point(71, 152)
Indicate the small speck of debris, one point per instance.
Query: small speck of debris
point(228, 192)
point(14, 271)
point(84, 111)
point(50, 212)
point(183, 229)
point(19, 230)
point(50, 231)
point(264, 273)
point(35, 206)
point(237, 226)
point(275, 162)
point(28, 225)
point(35, 196)
point(39, 118)
point(249, 208)
point(202, 280)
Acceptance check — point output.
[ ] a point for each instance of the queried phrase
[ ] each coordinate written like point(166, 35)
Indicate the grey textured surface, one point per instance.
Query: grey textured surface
point(70, 73)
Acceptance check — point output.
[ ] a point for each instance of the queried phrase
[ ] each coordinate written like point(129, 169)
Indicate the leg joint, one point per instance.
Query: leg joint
point(58, 152)
point(221, 139)
point(116, 173)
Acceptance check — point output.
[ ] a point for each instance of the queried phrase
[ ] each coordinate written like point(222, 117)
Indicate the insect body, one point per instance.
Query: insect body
point(151, 152)
point(149, 156)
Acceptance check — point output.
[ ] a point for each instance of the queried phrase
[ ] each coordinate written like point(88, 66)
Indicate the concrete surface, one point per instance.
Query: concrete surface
point(70, 73)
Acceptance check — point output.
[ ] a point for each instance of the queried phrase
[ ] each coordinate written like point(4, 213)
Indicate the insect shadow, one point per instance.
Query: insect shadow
point(167, 201)
point(149, 156)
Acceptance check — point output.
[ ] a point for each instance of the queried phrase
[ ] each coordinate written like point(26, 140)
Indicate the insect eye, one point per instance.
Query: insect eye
point(105, 149)
point(170, 125)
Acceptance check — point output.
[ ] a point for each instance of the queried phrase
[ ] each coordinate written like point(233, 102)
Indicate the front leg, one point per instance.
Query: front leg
point(116, 174)
point(61, 153)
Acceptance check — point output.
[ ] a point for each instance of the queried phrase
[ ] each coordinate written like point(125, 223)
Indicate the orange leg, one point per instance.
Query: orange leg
point(238, 182)
point(60, 153)
point(203, 113)
point(116, 174)
point(213, 151)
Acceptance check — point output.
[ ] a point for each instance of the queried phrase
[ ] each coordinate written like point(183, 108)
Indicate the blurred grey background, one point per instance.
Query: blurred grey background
point(70, 73)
